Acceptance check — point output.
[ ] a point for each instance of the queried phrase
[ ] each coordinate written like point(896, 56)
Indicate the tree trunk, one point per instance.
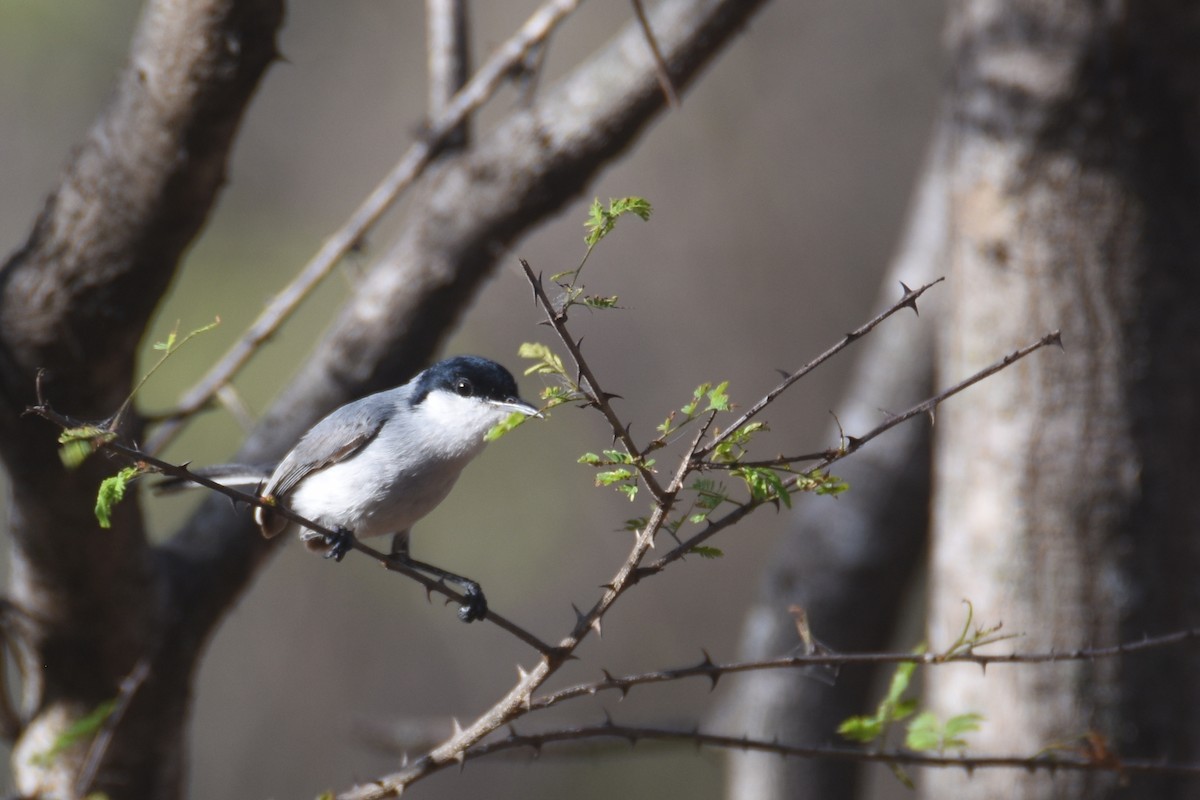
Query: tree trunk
point(1064, 502)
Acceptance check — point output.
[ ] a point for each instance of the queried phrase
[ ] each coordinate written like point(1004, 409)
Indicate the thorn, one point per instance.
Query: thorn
point(596, 627)
point(608, 720)
point(1055, 337)
point(457, 728)
point(580, 617)
point(707, 662)
point(512, 732)
point(521, 673)
point(911, 301)
point(850, 337)
point(783, 373)
point(932, 416)
point(404, 759)
point(461, 758)
point(608, 677)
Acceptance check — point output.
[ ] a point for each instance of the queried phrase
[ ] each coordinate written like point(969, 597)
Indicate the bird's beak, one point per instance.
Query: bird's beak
point(520, 406)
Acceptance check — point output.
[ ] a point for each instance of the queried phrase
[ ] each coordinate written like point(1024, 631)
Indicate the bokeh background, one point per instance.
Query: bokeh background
point(779, 190)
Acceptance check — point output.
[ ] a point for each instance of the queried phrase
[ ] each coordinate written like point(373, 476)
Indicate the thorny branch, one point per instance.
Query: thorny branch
point(909, 300)
point(145, 461)
point(714, 671)
point(852, 445)
point(1082, 758)
point(509, 59)
point(557, 319)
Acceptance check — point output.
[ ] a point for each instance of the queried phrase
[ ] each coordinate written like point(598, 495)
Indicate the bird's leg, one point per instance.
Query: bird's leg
point(340, 543)
point(475, 606)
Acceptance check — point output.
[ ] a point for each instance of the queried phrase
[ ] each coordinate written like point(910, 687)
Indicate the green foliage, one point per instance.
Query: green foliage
point(511, 422)
point(892, 708)
point(79, 443)
point(707, 552)
point(624, 478)
point(602, 221)
point(547, 362)
point(927, 732)
point(705, 398)
point(734, 448)
point(969, 639)
point(112, 491)
point(82, 729)
point(822, 483)
point(764, 484)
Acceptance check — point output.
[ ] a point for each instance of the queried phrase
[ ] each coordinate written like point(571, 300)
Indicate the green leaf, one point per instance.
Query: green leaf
point(79, 443)
point(707, 552)
point(609, 477)
point(112, 491)
point(548, 361)
point(861, 729)
point(630, 490)
point(591, 459)
point(514, 421)
point(764, 484)
point(902, 776)
point(957, 726)
point(598, 302)
point(718, 400)
point(924, 732)
point(601, 221)
point(83, 728)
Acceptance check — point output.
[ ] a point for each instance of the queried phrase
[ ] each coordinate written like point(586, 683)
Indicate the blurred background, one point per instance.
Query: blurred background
point(779, 191)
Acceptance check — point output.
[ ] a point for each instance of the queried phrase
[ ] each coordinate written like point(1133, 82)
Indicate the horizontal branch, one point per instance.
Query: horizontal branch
point(714, 671)
point(1073, 760)
point(146, 461)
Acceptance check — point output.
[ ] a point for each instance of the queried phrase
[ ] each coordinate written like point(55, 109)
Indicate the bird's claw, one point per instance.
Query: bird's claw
point(475, 607)
point(339, 543)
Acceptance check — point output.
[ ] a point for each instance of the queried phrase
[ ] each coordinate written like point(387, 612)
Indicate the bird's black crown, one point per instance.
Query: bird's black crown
point(469, 376)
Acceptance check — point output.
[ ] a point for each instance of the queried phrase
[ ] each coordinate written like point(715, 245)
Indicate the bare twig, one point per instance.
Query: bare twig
point(1080, 760)
point(660, 64)
point(909, 300)
point(714, 671)
point(853, 444)
point(509, 57)
point(448, 54)
point(557, 320)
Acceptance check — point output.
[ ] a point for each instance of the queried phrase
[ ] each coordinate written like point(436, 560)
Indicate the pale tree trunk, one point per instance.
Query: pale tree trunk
point(1064, 499)
point(1064, 489)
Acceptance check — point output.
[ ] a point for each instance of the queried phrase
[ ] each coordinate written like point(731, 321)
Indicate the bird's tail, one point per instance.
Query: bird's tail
point(235, 476)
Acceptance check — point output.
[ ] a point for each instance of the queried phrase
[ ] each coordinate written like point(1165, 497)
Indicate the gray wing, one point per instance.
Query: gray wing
point(335, 438)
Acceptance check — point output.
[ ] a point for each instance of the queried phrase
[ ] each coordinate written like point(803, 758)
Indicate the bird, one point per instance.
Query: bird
point(379, 464)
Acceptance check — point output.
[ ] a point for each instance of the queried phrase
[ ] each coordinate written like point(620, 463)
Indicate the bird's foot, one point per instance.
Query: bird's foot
point(339, 543)
point(476, 606)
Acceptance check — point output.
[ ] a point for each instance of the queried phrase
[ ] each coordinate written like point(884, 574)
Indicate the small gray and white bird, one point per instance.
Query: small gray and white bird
point(379, 464)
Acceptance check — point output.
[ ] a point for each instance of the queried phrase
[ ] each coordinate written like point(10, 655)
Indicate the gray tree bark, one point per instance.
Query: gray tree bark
point(1063, 489)
point(89, 611)
point(1064, 504)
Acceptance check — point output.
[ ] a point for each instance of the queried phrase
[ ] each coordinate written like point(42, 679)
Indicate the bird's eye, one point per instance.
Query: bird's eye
point(463, 387)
